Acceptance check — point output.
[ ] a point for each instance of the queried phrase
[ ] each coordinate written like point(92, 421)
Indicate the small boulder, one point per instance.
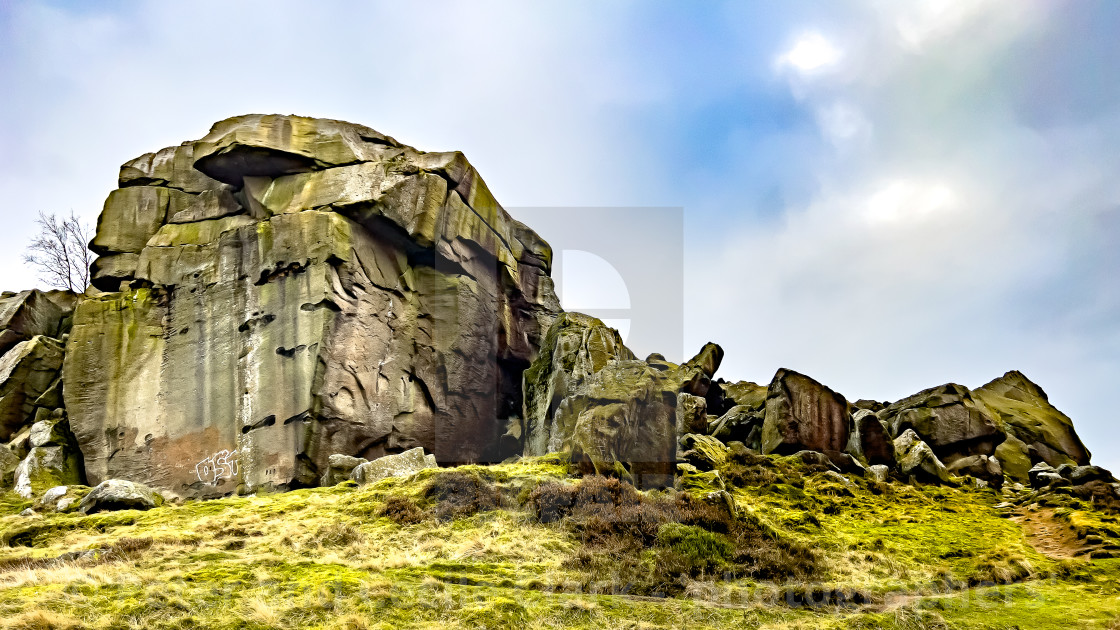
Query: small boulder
point(879, 472)
point(118, 494)
point(918, 461)
point(981, 467)
point(1084, 474)
point(46, 467)
point(816, 461)
point(1051, 480)
point(51, 430)
point(403, 464)
point(339, 468)
point(846, 463)
point(1039, 469)
point(703, 451)
point(740, 424)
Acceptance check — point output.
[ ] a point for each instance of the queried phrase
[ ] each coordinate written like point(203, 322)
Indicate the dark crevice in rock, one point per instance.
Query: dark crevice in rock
point(267, 421)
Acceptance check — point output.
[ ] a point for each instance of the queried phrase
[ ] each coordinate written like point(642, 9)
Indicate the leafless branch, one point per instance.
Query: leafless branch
point(60, 252)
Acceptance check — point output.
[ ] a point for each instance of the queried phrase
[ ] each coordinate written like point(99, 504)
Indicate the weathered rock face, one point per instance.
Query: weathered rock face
point(948, 420)
point(29, 375)
point(1036, 430)
point(30, 314)
point(575, 348)
point(802, 414)
point(289, 288)
point(586, 394)
point(869, 440)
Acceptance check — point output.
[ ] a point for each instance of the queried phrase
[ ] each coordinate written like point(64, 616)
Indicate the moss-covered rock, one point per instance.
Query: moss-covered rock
point(1036, 430)
point(948, 419)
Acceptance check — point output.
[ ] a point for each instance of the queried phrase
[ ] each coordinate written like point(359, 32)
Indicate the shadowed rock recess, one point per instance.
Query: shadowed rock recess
point(286, 300)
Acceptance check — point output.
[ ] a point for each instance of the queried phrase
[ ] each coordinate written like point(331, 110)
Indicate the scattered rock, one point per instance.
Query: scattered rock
point(740, 424)
point(118, 494)
point(879, 472)
point(982, 467)
point(1084, 474)
point(1039, 469)
point(403, 464)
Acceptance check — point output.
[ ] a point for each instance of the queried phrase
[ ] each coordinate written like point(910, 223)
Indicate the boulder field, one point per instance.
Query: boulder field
point(288, 299)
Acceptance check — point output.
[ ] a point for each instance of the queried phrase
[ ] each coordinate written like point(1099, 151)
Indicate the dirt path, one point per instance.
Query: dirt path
point(1048, 535)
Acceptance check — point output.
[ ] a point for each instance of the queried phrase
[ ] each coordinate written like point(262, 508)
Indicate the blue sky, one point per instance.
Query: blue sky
point(885, 195)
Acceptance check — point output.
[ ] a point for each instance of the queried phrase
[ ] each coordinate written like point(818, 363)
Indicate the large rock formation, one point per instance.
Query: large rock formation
point(948, 419)
point(587, 395)
point(1036, 430)
point(289, 288)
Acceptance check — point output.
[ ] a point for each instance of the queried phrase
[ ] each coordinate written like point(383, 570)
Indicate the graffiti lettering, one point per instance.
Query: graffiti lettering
point(220, 465)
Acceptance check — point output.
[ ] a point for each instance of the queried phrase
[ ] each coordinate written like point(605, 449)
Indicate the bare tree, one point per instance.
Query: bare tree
point(60, 252)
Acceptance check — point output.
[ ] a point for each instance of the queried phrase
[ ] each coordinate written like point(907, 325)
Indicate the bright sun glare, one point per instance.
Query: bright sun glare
point(811, 52)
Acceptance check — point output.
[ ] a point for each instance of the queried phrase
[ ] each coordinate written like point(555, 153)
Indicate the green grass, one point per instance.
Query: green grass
point(901, 557)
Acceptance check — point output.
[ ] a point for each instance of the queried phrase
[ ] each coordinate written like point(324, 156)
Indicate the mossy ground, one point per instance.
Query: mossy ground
point(916, 557)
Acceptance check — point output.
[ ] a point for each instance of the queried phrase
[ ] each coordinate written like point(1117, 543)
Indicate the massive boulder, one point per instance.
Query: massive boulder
point(587, 395)
point(575, 348)
point(289, 288)
point(948, 419)
point(803, 415)
point(1036, 430)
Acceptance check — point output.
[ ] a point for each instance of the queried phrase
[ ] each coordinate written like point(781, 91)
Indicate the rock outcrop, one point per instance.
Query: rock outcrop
point(1036, 430)
point(289, 288)
point(948, 419)
point(587, 395)
point(803, 415)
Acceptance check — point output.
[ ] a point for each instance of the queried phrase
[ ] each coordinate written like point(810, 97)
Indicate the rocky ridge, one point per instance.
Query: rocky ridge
point(287, 298)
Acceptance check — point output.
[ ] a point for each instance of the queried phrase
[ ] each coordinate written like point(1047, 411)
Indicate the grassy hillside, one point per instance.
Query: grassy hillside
point(526, 545)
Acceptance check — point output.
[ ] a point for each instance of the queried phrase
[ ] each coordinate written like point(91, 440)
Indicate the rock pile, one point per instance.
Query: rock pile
point(39, 451)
